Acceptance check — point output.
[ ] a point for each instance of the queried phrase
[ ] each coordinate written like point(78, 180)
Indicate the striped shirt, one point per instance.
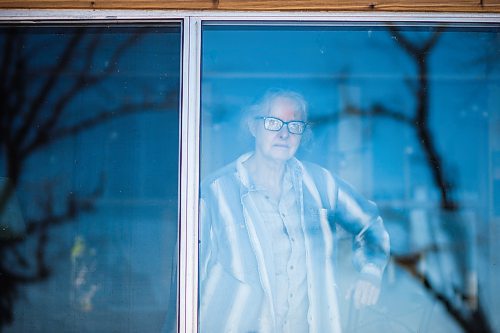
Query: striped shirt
point(237, 268)
point(282, 220)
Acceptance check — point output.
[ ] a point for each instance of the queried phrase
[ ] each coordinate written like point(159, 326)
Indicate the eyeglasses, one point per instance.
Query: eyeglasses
point(275, 124)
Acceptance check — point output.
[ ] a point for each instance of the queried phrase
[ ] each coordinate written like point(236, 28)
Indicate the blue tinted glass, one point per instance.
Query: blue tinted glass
point(409, 117)
point(88, 178)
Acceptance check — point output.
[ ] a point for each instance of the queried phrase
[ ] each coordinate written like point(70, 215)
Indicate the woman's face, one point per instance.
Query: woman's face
point(278, 145)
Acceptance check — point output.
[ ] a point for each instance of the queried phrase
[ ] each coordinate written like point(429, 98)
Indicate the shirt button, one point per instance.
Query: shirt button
point(291, 267)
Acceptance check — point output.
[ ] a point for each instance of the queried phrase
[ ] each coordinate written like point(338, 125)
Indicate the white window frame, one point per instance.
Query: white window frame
point(192, 22)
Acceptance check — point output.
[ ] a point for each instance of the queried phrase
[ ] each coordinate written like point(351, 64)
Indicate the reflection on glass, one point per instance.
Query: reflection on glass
point(88, 178)
point(409, 116)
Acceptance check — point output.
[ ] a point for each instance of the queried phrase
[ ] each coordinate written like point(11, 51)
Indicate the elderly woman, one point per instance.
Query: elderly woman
point(267, 229)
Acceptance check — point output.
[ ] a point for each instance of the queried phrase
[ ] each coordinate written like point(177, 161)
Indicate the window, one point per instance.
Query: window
point(405, 113)
point(130, 200)
point(89, 186)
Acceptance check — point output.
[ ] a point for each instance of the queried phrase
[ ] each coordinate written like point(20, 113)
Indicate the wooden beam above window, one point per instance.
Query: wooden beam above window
point(485, 6)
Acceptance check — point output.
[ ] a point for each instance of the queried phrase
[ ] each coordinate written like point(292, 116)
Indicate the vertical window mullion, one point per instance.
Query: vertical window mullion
point(188, 277)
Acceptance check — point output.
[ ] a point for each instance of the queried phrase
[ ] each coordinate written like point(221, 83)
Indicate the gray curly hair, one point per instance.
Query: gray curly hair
point(263, 107)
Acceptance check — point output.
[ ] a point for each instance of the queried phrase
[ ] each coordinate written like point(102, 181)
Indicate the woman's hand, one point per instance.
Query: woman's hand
point(364, 293)
point(366, 290)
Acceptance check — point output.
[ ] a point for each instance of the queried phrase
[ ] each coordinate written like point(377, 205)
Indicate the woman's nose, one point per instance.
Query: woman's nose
point(284, 132)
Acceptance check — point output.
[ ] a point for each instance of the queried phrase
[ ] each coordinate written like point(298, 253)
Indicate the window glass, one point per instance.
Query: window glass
point(89, 152)
point(404, 116)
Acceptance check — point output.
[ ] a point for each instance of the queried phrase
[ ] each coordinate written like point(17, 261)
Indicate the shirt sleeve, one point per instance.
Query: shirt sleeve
point(361, 218)
point(207, 243)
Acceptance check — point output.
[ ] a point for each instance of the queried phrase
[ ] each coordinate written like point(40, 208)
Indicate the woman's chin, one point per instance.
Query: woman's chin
point(283, 155)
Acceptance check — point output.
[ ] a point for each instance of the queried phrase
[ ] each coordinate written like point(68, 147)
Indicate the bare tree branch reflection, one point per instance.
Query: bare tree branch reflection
point(465, 309)
point(36, 104)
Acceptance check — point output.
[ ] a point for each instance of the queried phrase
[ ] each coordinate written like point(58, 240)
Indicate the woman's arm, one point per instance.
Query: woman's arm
point(361, 218)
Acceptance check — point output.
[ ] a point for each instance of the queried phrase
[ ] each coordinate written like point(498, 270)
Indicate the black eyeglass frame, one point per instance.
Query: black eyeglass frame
point(283, 123)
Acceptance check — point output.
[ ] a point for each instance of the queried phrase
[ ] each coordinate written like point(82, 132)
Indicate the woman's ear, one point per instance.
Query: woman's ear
point(252, 127)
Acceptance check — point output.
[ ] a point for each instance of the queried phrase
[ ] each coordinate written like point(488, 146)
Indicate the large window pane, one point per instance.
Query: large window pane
point(407, 115)
point(89, 151)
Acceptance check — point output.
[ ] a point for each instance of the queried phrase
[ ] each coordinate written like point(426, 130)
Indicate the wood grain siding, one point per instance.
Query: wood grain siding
point(485, 6)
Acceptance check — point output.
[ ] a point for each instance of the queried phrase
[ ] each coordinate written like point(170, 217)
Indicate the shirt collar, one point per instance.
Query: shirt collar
point(293, 168)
